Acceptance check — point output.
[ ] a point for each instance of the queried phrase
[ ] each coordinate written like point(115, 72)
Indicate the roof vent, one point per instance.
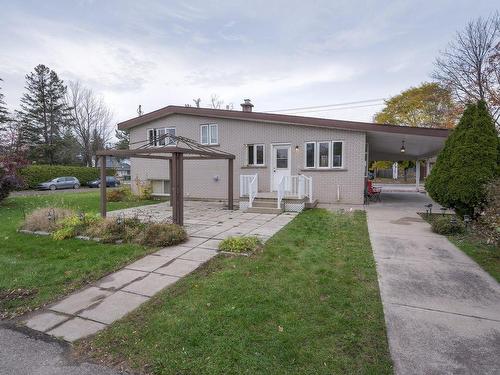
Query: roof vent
point(247, 105)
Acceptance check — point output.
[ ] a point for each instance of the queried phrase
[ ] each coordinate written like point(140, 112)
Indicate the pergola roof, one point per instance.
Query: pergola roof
point(190, 149)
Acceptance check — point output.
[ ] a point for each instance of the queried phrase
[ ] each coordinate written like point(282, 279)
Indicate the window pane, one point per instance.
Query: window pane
point(213, 134)
point(161, 139)
point(310, 155)
point(324, 154)
point(170, 141)
point(250, 154)
point(151, 137)
point(281, 158)
point(260, 155)
point(337, 154)
point(204, 134)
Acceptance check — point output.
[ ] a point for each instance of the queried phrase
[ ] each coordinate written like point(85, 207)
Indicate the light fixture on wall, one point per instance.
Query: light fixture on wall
point(297, 148)
point(403, 148)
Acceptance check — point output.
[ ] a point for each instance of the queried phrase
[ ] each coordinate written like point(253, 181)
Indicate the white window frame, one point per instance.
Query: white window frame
point(155, 142)
point(314, 155)
point(329, 158)
point(342, 155)
point(255, 164)
point(209, 128)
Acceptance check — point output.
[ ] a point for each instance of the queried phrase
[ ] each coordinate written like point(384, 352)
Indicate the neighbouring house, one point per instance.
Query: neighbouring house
point(306, 158)
point(121, 167)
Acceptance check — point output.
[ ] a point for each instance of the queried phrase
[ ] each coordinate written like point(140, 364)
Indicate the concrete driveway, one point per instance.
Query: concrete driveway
point(442, 310)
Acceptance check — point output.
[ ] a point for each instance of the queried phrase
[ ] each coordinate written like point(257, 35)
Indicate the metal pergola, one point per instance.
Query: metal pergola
point(175, 149)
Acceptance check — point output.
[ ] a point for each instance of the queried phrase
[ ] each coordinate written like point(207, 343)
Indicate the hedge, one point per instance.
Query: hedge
point(35, 174)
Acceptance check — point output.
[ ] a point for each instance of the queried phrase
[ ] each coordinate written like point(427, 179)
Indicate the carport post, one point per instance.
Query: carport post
point(177, 188)
point(170, 177)
point(417, 175)
point(230, 182)
point(103, 186)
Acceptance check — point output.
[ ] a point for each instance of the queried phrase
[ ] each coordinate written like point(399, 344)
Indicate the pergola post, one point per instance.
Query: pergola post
point(417, 175)
point(170, 177)
point(103, 186)
point(230, 183)
point(177, 185)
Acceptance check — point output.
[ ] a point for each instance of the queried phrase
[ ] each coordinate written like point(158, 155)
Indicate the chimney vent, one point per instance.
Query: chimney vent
point(247, 105)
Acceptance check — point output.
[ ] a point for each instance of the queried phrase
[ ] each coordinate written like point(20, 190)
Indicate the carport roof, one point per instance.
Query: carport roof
point(384, 139)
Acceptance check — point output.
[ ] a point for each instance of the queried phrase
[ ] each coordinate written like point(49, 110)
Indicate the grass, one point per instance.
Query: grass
point(486, 255)
point(37, 270)
point(308, 303)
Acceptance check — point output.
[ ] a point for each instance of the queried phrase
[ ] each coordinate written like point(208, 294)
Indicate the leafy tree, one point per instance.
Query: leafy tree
point(43, 113)
point(470, 66)
point(467, 162)
point(4, 114)
point(428, 105)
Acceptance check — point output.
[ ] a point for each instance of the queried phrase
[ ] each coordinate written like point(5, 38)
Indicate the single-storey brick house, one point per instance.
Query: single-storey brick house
point(329, 157)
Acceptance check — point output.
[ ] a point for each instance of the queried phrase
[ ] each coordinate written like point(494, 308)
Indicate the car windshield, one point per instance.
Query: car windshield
point(54, 180)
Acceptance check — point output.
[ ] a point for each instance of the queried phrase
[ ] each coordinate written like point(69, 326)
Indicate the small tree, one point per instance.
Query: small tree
point(467, 162)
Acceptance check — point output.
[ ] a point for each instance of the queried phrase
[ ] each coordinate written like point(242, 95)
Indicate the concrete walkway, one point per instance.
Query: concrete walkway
point(442, 310)
point(90, 310)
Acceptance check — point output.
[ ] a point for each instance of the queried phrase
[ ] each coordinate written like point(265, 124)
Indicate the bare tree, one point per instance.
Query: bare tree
point(470, 66)
point(216, 102)
point(90, 120)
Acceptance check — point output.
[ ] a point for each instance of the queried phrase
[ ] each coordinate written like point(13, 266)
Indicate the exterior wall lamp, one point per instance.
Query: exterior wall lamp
point(403, 148)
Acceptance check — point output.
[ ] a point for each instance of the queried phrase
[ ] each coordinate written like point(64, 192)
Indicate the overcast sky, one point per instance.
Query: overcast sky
point(281, 54)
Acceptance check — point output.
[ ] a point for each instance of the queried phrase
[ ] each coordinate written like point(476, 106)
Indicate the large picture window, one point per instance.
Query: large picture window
point(255, 155)
point(324, 154)
point(209, 134)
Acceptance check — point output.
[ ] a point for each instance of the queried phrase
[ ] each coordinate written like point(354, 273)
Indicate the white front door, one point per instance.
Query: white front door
point(280, 164)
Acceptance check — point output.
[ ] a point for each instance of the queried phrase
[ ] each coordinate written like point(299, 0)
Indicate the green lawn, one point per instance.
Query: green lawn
point(308, 304)
point(36, 270)
point(486, 255)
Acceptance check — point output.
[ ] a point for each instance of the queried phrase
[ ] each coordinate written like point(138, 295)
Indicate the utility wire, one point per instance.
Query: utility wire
point(338, 108)
point(328, 105)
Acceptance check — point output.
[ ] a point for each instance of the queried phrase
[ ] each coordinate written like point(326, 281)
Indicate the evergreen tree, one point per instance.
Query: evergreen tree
point(467, 162)
point(4, 114)
point(123, 137)
point(43, 113)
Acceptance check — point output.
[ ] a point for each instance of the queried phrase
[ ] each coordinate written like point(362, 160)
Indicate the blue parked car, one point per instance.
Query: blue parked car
point(110, 182)
point(60, 183)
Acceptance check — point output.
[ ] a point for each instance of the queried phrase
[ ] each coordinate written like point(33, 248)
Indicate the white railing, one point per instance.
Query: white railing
point(298, 186)
point(281, 190)
point(249, 186)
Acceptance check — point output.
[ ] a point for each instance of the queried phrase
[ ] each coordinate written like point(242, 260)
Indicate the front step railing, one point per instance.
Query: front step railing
point(299, 186)
point(249, 186)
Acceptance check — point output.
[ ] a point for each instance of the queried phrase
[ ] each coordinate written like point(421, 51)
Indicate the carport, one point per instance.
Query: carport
point(397, 143)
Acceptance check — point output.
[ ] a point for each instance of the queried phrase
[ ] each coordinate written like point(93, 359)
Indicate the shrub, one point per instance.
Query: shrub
point(444, 225)
point(45, 219)
point(162, 234)
point(119, 195)
point(35, 174)
point(114, 229)
point(144, 189)
point(240, 244)
point(9, 174)
point(74, 225)
point(467, 162)
point(488, 222)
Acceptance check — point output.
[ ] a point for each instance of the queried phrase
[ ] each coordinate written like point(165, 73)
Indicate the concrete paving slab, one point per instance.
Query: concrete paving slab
point(455, 288)
point(80, 300)
point(118, 279)
point(45, 321)
point(430, 342)
point(151, 284)
point(210, 244)
point(173, 251)
point(199, 254)
point(149, 263)
point(76, 328)
point(179, 267)
point(193, 242)
point(114, 307)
